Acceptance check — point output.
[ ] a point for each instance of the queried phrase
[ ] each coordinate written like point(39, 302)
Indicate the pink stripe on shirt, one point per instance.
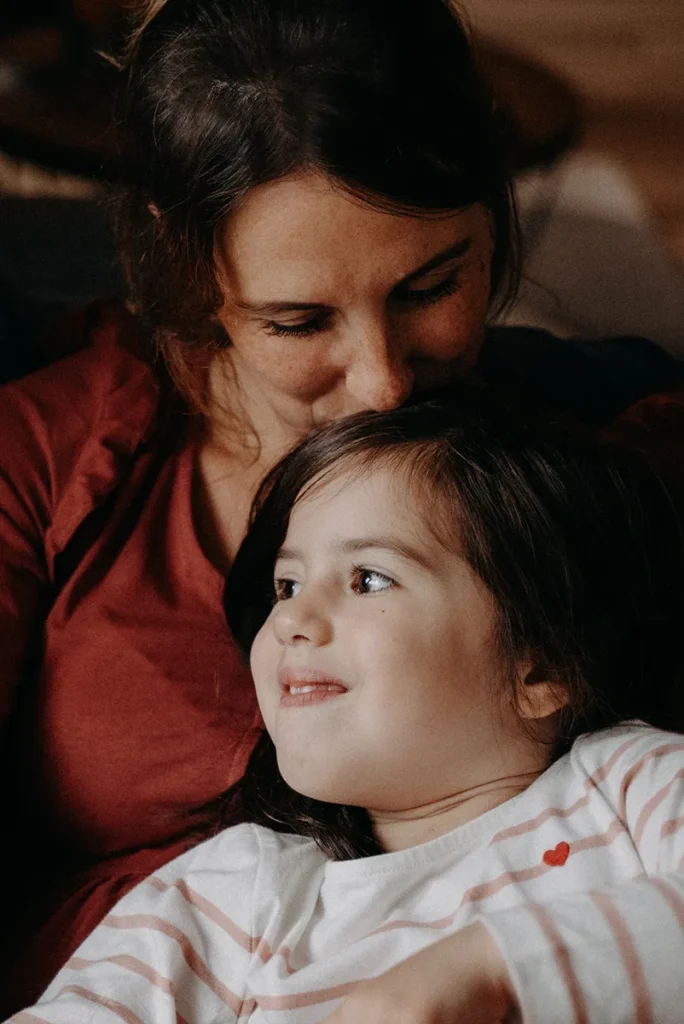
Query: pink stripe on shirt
point(563, 962)
point(643, 1009)
point(190, 954)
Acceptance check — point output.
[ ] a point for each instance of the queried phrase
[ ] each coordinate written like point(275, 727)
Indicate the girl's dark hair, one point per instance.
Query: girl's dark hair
point(581, 552)
point(225, 95)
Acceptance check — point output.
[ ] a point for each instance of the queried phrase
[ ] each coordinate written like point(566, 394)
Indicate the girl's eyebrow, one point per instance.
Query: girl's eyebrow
point(390, 544)
point(352, 547)
point(267, 309)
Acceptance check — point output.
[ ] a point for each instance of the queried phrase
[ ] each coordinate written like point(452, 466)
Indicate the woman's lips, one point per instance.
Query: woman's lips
point(300, 688)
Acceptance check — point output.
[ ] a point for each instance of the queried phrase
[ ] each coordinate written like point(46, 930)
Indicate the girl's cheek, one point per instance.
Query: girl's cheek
point(263, 663)
point(258, 654)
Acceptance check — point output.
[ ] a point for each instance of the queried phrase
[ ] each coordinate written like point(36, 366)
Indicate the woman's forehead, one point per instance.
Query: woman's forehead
point(304, 236)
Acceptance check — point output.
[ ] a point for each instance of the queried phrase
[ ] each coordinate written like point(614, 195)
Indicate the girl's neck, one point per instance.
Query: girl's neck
point(400, 830)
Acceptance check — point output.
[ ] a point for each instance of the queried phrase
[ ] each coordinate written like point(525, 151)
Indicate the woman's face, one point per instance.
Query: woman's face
point(333, 307)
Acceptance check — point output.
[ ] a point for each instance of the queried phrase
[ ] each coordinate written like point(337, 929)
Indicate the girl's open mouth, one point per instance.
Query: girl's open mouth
point(300, 692)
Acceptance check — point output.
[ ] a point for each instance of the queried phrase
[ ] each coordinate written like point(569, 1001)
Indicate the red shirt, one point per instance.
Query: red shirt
point(124, 700)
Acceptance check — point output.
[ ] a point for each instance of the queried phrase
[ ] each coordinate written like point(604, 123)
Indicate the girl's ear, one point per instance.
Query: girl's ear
point(539, 695)
point(154, 210)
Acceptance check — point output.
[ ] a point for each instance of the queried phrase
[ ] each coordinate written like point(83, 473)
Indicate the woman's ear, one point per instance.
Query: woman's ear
point(539, 695)
point(154, 210)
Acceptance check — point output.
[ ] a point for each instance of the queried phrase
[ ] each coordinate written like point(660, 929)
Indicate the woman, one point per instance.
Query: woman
point(315, 220)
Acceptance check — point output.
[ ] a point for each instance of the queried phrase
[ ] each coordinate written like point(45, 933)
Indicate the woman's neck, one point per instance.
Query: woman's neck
point(237, 447)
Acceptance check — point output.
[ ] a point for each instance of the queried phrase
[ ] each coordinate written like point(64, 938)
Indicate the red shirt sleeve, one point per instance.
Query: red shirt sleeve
point(103, 395)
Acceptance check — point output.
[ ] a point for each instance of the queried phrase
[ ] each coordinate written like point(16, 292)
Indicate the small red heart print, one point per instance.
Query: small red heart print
point(557, 857)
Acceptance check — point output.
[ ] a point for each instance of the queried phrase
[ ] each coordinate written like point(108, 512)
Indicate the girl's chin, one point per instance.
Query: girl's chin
point(324, 791)
point(312, 788)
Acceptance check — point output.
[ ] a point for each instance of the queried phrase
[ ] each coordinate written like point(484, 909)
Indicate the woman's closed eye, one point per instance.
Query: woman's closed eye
point(449, 285)
point(313, 326)
point(405, 297)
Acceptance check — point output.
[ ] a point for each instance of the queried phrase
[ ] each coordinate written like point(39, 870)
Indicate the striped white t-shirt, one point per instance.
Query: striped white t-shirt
point(580, 879)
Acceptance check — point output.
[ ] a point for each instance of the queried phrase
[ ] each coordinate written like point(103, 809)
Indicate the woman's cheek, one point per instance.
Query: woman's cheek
point(455, 329)
point(301, 372)
point(471, 305)
point(292, 365)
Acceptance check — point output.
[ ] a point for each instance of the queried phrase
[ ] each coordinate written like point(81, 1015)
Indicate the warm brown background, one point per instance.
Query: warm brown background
point(627, 58)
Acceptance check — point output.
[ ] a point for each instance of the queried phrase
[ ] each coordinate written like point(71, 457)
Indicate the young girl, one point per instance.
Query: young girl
point(455, 621)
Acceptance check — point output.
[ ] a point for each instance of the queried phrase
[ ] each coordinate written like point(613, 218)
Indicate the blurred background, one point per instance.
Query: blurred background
point(609, 256)
point(593, 93)
point(626, 58)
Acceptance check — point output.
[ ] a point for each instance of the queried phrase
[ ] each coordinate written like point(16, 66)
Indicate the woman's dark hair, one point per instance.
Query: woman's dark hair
point(225, 95)
point(581, 551)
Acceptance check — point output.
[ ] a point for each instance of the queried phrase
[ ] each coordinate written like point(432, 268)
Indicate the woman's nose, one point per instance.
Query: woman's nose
point(300, 620)
point(378, 376)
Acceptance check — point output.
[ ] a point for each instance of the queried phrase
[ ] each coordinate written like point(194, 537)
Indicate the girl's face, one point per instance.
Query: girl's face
point(333, 307)
point(375, 671)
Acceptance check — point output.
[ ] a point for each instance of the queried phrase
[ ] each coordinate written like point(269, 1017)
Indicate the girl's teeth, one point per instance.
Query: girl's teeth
point(310, 687)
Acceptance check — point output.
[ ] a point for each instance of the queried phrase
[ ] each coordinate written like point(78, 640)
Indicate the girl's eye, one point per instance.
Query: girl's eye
point(426, 296)
point(314, 326)
point(285, 589)
point(369, 581)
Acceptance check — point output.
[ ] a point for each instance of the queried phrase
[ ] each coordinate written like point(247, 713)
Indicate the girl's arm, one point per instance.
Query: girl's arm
point(175, 950)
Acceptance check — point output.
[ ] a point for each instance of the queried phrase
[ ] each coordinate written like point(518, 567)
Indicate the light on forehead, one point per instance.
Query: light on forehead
point(427, 496)
point(303, 240)
point(273, 307)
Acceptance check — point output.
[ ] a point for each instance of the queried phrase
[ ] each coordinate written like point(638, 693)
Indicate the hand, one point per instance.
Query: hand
point(460, 980)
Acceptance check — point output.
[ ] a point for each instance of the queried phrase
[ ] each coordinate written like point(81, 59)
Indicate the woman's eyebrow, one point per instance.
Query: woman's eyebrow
point(453, 252)
point(271, 309)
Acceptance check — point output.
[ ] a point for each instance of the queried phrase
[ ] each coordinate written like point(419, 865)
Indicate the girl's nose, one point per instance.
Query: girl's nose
point(301, 619)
